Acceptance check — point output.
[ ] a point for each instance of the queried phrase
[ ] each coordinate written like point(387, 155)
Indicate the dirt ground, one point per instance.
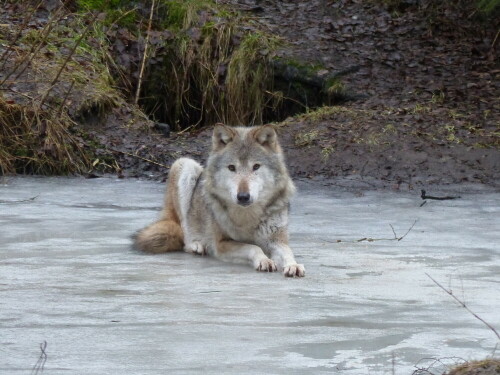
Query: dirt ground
point(429, 114)
point(426, 81)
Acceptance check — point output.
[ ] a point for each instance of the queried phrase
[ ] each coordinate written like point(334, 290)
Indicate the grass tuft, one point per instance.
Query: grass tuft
point(57, 75)
point(214, 69)
point(36, 141)
point(482, 367)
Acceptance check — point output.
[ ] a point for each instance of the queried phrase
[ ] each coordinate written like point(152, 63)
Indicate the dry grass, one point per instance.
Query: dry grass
point(34, 141)
point(488, 366)
point(51, 76)
point(215, 69)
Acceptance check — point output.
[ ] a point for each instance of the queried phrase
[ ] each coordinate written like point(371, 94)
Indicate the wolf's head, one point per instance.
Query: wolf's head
point(246, 165)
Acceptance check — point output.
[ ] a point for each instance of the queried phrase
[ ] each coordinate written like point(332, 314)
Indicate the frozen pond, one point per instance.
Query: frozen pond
point(69, 277)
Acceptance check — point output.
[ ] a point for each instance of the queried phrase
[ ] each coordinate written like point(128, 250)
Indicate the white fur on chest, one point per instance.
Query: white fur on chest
point(251, 225)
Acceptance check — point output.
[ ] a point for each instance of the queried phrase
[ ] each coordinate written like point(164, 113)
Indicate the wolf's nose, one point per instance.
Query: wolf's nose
point(243, 198)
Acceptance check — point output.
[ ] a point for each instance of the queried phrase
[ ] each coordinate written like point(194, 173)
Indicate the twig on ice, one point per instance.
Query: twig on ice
point(40, 364)
point(369, 239)
point(19, 200)
point(424, 196)
point(461, 303)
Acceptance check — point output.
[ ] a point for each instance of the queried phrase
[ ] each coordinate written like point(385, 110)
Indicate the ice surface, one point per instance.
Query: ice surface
point(69, 277)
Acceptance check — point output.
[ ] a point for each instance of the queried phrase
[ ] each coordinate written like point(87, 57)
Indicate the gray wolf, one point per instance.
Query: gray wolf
point(235, 209)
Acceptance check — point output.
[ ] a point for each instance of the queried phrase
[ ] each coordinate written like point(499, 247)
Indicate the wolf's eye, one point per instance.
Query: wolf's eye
point(232, 168)
point(256, 166)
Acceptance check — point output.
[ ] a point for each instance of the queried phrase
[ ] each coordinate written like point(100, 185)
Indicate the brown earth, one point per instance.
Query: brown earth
point(427, 76)
point(431, 111)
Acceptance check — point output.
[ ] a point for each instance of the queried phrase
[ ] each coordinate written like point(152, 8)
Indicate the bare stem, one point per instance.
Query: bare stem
point(19, 33)
point(61, 108)
point(70, 55)
point(144, 56)
point(495, 40)
point(40, 364)
point(36, 47)
point(461, 303)
point(140, 157)
point(369, 239)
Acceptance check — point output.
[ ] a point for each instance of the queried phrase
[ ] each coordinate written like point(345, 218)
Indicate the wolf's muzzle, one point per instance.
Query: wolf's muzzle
point(243, 199)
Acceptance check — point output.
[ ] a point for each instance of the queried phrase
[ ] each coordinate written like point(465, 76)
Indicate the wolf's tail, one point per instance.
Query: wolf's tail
point(160, 237)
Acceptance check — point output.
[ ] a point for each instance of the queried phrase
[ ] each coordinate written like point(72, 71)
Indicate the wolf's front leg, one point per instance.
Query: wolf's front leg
point(283, 256)
point(237, 252)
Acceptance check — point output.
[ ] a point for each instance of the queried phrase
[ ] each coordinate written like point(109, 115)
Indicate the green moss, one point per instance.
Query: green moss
point(31, 37)
point(334, 87)
point(326, 152)
point(181, 14)
point(127, 18)
point(101, 5)
point(306, 138)
point(326, 112)
point(21, 151)
point(488, 6)
point(121, 12)
point(176, 15)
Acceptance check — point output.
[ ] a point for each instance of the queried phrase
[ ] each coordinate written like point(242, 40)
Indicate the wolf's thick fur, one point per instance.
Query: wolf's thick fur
point(235, 209)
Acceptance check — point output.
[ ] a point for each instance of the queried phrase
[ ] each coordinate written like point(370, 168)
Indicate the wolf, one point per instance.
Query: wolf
point(236, 209)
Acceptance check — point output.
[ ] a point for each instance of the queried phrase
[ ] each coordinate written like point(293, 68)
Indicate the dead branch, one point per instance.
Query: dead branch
point(35, 48)
point(286, 98)
point(461, 303)
point(70, 55)
point(140, 157)
point(144, 56)
point(436, 366)
point(19, 200)
point(291, 73)
point(17, 92)
point(424, 196)
point(40, 364)
point(492, 355)
point(61, 108)
point(495, 40)
point(369, 239)
point(20, 30)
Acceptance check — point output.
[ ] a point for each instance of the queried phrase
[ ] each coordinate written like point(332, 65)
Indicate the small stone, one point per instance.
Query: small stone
point(163, 128)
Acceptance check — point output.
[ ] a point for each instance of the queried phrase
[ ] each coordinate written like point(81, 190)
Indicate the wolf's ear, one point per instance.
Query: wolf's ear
point(221, 136)
point(266, 136)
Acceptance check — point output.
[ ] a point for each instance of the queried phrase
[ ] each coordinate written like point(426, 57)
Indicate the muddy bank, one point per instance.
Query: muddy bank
point(343, 142)
point(426, 108)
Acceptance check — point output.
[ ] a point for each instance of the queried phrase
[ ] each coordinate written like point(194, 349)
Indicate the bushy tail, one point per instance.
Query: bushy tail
point(160, 237)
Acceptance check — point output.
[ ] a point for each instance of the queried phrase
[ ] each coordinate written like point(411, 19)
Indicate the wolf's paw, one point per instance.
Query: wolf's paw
point(196, 248)
point(294, 270)
point(266, 265)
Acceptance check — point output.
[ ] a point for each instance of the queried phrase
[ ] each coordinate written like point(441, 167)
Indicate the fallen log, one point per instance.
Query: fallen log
point(321, 79)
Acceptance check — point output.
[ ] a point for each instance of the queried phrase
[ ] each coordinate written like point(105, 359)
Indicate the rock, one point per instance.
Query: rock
point(163, 128)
